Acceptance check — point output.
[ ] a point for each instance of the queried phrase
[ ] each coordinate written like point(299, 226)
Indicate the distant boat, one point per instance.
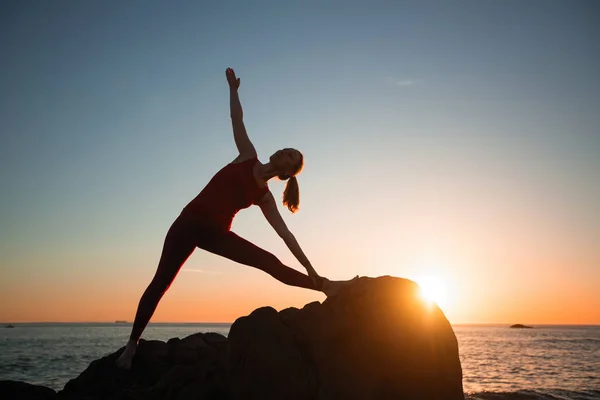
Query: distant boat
point(120, 322)
point(10, 326)
point(521, 326)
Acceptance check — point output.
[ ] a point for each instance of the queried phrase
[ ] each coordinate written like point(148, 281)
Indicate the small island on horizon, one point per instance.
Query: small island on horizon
point(521, 326)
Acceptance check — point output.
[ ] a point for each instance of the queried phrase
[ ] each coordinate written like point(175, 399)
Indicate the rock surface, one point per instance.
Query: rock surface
point(13, 390)
point(189, 368)
point(375, 340)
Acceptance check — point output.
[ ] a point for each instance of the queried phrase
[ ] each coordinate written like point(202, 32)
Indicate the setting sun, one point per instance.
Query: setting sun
point(433, 290)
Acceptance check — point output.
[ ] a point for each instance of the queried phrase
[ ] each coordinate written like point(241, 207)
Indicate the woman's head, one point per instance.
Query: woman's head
point(288, 163)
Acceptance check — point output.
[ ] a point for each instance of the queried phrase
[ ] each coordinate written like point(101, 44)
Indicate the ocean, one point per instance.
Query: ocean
point(547, 362)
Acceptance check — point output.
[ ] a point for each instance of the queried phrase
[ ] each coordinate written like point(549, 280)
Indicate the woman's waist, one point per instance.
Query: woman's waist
point(208, 214)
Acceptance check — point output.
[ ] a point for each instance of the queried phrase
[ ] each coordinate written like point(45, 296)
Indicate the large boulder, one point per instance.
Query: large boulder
point(377, 340)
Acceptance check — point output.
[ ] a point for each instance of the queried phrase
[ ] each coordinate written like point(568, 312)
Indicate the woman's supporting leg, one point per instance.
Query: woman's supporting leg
point(238, 249)
point(178, 246)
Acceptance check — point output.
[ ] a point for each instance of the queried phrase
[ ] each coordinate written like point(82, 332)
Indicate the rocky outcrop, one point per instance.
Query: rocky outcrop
point(189, 368)
point(375, 340)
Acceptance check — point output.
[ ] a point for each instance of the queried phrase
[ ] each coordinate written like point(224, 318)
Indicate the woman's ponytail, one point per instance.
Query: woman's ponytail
point(291, 194)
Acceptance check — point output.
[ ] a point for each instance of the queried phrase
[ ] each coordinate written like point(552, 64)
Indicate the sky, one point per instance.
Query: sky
point(454, 142)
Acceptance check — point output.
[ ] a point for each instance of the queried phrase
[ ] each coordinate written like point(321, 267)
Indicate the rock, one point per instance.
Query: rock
point(266, 361)
point(377, 339)
point(519, 326)
point(188, 368)
point(13, 390)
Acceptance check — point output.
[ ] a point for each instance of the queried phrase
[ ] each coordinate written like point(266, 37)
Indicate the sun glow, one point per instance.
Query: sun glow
point(433, 290)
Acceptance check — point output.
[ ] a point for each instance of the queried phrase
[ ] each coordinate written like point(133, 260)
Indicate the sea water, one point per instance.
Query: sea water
point(547, 362)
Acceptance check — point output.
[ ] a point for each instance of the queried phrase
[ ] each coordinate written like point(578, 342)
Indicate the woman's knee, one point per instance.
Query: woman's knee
point(268, 262)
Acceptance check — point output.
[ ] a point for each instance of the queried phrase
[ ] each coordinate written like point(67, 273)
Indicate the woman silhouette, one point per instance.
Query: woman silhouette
point(206, 221)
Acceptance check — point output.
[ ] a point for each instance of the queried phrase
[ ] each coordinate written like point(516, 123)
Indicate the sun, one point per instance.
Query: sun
point(433, 290)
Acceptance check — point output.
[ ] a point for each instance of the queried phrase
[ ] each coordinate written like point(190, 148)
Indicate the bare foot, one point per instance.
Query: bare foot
point(125, 359)
point(332, 288)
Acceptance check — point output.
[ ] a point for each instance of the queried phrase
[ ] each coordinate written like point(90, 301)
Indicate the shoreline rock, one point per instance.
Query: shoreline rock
point(376, 339)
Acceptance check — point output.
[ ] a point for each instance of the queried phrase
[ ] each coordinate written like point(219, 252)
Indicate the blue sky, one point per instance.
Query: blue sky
point(431, 130)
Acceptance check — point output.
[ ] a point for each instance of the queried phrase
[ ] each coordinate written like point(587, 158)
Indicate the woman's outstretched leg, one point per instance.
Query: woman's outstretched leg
point(178, 246)
point(238, 249)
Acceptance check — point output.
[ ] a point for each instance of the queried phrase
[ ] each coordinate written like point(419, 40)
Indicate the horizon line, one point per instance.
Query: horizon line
point(119, 322)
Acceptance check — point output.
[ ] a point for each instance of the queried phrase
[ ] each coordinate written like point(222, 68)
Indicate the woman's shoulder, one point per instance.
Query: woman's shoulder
point(241, 159)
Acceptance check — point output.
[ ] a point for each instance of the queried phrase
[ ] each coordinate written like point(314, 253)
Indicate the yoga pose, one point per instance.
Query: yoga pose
point(206, 221)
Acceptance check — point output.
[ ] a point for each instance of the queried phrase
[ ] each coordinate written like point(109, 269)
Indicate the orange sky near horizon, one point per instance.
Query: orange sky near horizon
point(184, 304)
point(215, 295)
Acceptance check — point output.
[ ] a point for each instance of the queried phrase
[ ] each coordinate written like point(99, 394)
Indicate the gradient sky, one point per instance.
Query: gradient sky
point(456, 140)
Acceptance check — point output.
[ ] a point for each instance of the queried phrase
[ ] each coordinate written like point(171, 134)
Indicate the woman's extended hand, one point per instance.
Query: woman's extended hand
point(234, 82)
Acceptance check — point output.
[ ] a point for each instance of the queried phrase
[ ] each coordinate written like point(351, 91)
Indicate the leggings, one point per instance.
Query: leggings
point(182, 239)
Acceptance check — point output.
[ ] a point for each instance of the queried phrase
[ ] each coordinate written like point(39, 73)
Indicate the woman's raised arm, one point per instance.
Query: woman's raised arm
point(242, 141)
